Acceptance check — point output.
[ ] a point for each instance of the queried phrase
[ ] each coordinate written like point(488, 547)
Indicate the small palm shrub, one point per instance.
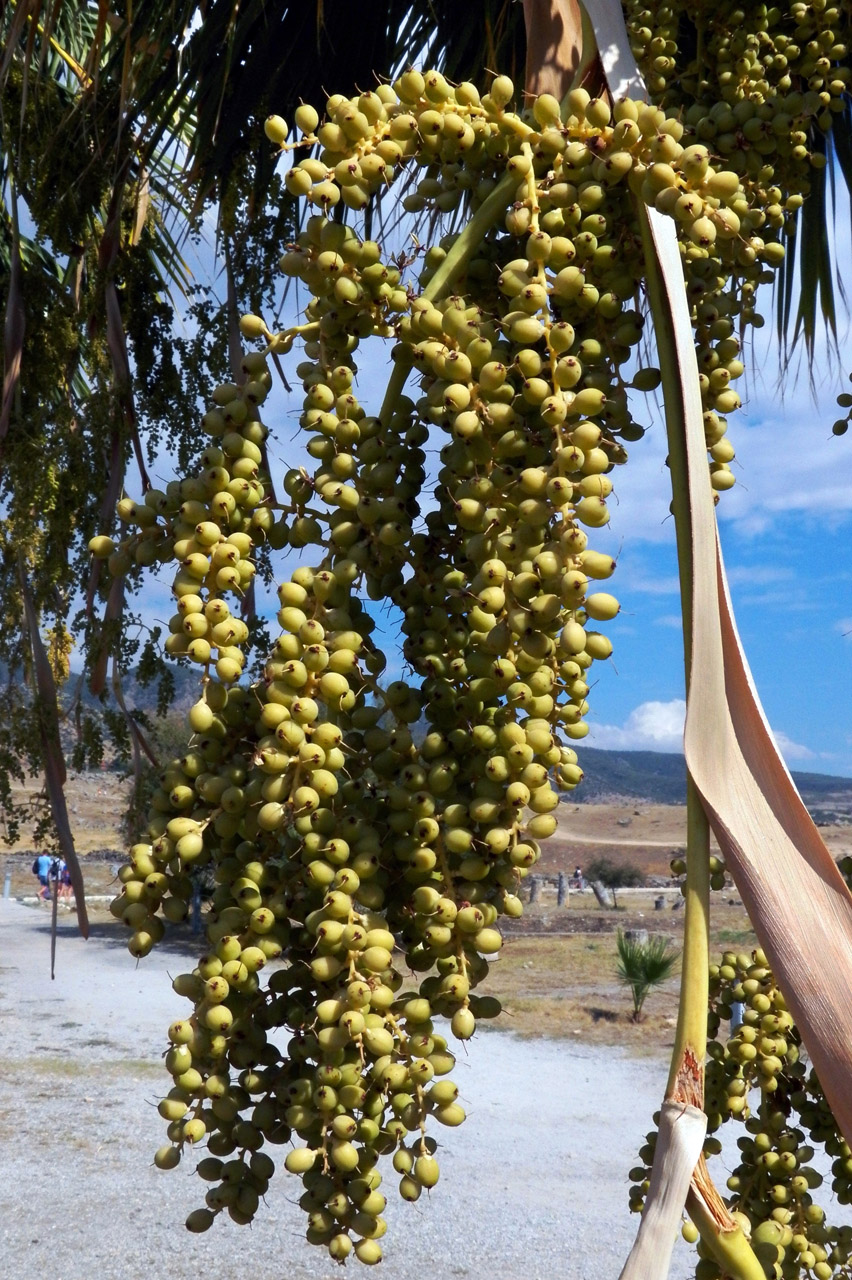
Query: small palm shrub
point(643, 965)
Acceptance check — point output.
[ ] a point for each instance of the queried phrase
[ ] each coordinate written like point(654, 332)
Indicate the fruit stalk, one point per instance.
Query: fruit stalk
point(686, 1077)
point(492, 210)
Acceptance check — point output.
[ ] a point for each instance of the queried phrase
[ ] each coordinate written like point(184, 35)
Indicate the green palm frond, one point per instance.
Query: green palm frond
point(96, 121)
point(841, 151)
point(249, 58)
point(643, 965)
point(816, 268)
point(55, 40)
point(810, 288)
point(183, 89)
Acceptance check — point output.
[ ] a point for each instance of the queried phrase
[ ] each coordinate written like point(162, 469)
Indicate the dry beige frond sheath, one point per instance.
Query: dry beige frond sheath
point(795, 896)
point(679, 1142)
point(796, 899)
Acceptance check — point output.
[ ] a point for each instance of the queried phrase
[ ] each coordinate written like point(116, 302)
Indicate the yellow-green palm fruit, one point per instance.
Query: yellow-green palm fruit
point(300, 1160)
point(340, 1245)
point(501, 92)
point(592, 512)
point(167, 1157)
point(601, 606)
point(368, 1252)
point(426, 1171)
point(463, 1024)
point(598, 646)
point(276, 129)
point(721, 476)
point(595, 564)
point(306, 118)
point(252, 326)
point(200, 1220)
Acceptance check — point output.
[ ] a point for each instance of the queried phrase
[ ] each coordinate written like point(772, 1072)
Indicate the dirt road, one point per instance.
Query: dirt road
point(533, 1185)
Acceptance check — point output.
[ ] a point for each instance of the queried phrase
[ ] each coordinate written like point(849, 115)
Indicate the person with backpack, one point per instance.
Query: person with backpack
point(41, 868)
point(65, 886)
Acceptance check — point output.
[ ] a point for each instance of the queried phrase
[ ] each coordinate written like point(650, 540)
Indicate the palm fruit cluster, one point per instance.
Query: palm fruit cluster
point(716, 866)
point(344, 846)
point(267, 797)
point(758, 1074)
point(844, 401)
point(759, 84)
point(791, 58)
point(756, 88)
point(207, 524)
point(579, 168)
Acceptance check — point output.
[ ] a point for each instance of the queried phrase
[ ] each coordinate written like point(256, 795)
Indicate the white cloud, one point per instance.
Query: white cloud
point(673, 620)
point(788, 462)
point(652, 726)
point(658, 726)
point(791, 750)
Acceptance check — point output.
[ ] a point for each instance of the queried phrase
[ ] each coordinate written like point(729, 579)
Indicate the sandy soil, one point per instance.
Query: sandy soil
point(533, 1184)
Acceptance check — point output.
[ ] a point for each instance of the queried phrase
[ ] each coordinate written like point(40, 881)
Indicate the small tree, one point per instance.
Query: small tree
point(614, 875)
point(643, 965)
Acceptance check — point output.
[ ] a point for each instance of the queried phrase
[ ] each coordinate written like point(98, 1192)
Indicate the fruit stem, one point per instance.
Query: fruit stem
point(396, 383)
point(725, 1240)
point(471, 237)
point(686, 1073)
point(281, 343)
point(686, 1077)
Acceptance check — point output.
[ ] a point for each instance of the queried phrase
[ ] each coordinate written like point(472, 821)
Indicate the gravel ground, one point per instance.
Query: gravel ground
point(533, 1184)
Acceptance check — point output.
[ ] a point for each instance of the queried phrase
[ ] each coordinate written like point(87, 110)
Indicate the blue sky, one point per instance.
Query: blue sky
point(786, 531)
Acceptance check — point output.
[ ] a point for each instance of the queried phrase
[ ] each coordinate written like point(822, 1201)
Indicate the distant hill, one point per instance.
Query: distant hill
point(659, 777)
point(144, 697)
point(652, 777)
point(187, 689)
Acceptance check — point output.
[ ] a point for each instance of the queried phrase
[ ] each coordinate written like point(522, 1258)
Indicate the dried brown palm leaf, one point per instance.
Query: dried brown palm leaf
point(143, 202)
point(681, 1134)
point(794, 894)
point(796, 898)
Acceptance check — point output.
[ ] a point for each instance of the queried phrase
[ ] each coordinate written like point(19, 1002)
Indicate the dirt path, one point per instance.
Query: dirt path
point(533, 1185)
point(573, 837)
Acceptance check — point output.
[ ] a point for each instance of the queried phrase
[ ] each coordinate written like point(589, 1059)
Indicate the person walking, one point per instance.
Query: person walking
point(42, 870)
point(64, 886)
